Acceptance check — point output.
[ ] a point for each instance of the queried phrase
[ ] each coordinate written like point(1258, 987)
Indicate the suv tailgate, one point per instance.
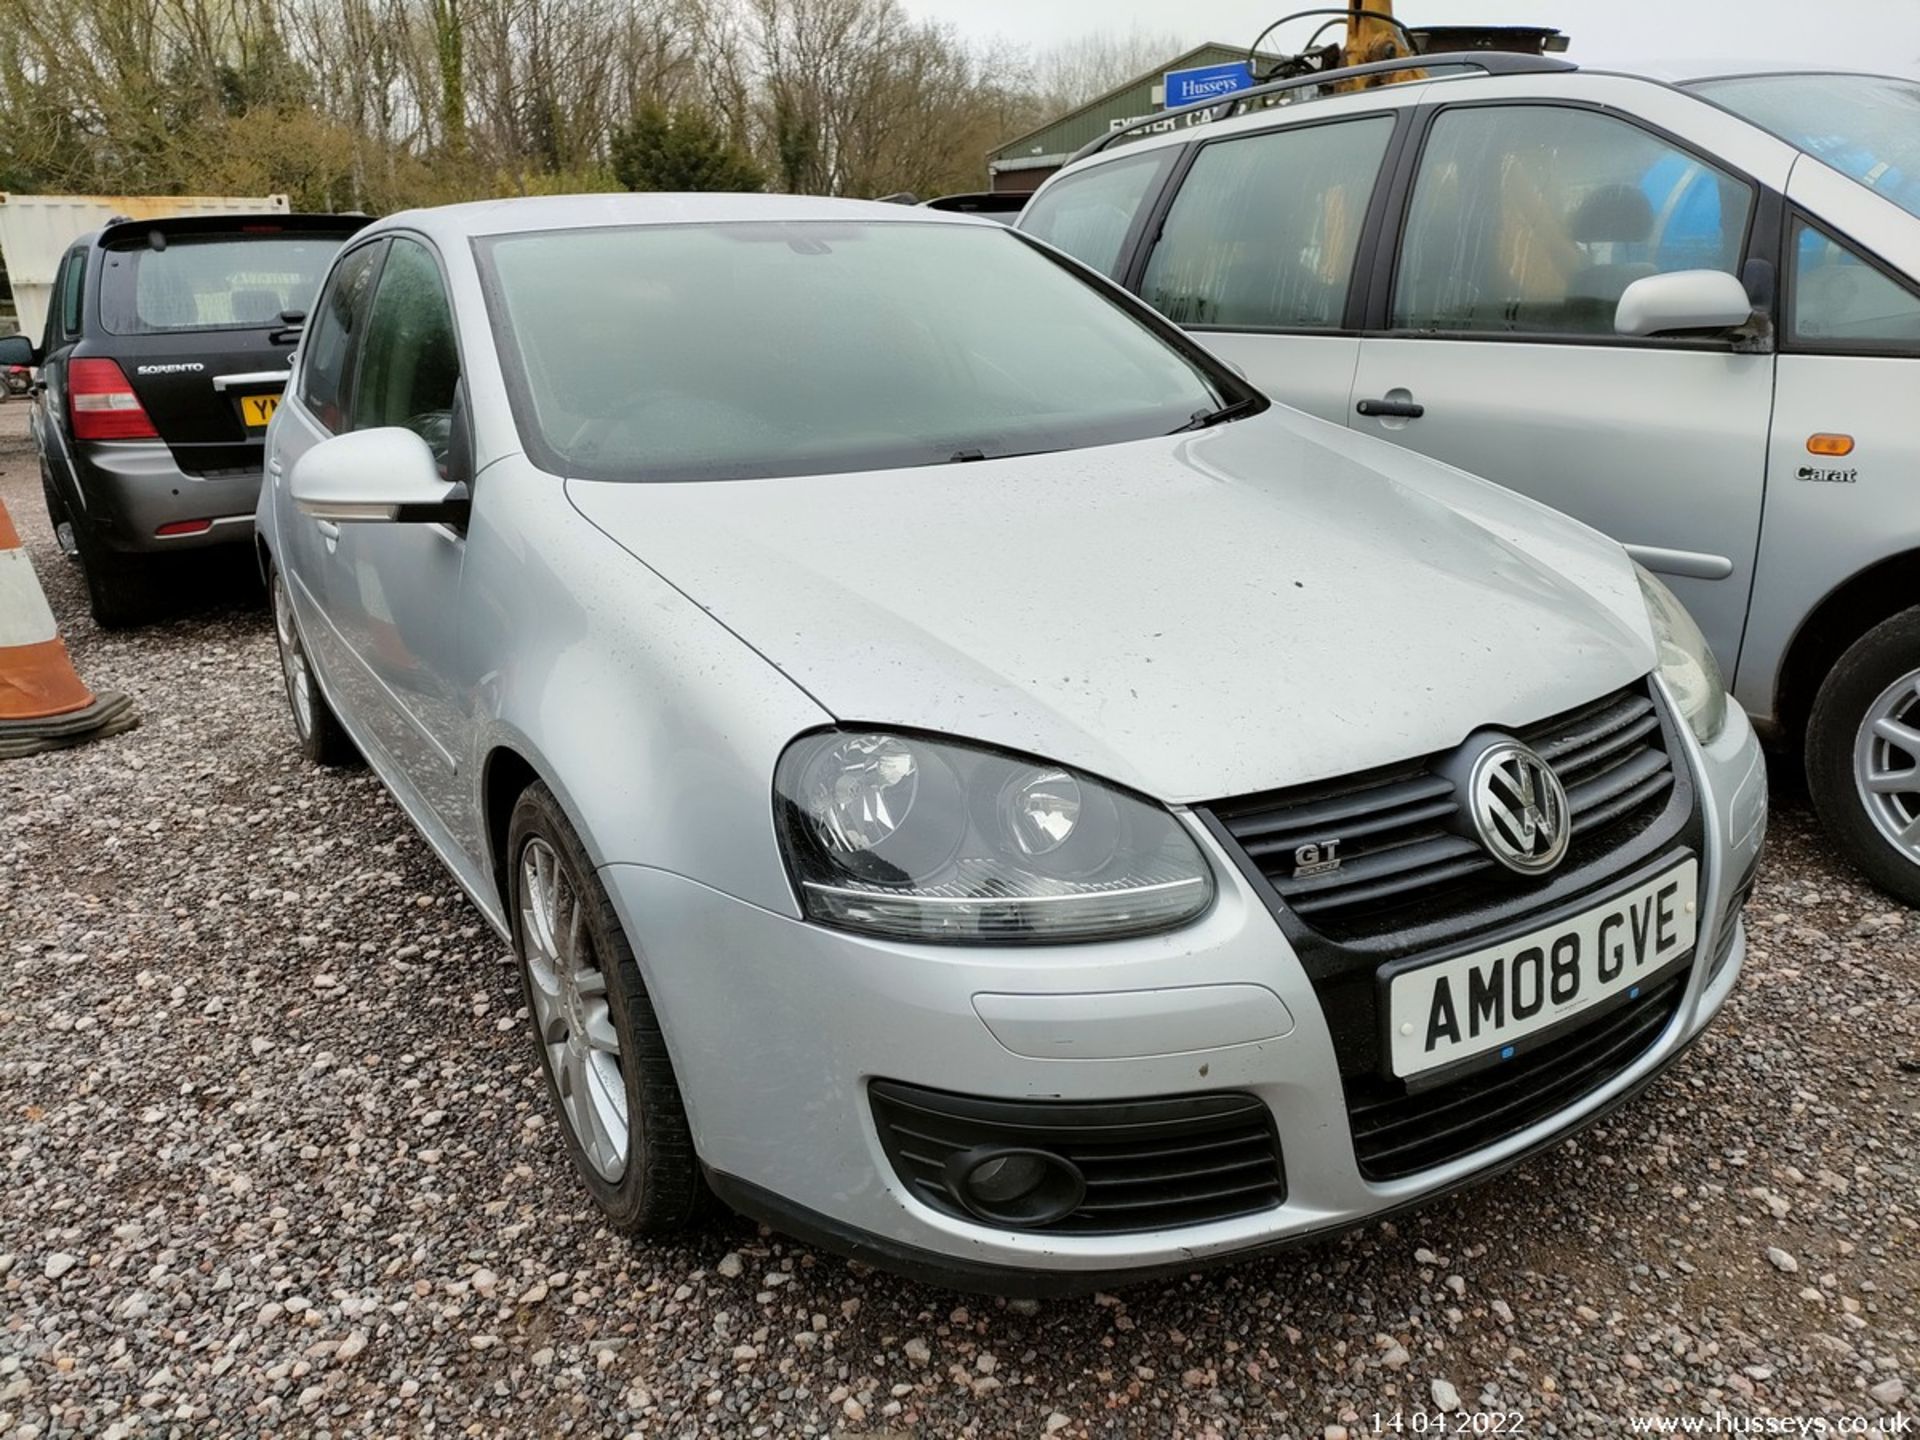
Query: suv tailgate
point(194, 311)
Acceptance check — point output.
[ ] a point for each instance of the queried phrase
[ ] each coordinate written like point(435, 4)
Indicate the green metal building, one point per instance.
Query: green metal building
point(1023, 162)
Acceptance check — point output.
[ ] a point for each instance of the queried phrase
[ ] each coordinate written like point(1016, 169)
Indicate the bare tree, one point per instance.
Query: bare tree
point(377, 104)
point(1073, 72)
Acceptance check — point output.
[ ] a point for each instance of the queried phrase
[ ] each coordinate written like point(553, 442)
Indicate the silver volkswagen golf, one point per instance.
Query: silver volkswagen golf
point(968, 780)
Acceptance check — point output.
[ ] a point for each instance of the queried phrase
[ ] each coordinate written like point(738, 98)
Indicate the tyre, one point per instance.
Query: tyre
point(58, 518)
point(1863, 754)
point(595, 1029)
point(322, 740)
point(120, 586)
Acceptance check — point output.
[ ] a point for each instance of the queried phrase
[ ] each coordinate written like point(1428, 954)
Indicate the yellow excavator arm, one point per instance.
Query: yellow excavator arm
point(1373, 35)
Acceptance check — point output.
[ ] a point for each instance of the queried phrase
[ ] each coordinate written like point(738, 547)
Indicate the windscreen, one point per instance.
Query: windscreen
point(213, 282)
point(1865, 126)
point(681, 352)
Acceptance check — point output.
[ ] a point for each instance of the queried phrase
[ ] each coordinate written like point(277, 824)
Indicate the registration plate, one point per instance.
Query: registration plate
point(257, 410)
point(1482, 1005)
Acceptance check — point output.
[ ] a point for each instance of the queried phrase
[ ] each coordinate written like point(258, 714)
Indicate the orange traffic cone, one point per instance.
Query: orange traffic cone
point(43, 704)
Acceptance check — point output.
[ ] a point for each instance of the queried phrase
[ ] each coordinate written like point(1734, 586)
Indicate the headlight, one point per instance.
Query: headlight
point(1686, 662)
point(920, 839)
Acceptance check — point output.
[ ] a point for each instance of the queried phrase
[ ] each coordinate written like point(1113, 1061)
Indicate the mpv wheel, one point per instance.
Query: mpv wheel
point(595, 1029)
point(1863, 754)
point(322, 740)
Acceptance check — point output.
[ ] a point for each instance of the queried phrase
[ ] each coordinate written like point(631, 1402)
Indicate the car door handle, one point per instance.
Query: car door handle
point(1399, 409)
point(274, 466)
point(329, 531)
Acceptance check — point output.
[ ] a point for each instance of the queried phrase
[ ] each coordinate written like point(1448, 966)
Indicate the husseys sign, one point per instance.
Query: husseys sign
point(1190, 87)
point(1206, 82)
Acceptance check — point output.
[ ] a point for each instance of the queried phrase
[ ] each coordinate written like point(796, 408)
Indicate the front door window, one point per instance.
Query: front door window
point(1532, 219)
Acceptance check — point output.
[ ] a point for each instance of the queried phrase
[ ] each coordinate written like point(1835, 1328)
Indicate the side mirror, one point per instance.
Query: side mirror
point(1682, 300)
point(383, 474)
point(17, 350)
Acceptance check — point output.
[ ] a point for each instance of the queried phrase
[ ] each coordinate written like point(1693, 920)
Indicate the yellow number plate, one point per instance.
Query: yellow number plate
point(257, 410)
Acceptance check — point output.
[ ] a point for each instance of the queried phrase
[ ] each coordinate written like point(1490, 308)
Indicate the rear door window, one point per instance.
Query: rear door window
point(332, 332)
point(1263, 232)
point(213, 282)
point(1532, 219)
point(1088, 214)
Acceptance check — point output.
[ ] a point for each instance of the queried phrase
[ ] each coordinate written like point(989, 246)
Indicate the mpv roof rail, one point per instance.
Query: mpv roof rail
point(1488, 62)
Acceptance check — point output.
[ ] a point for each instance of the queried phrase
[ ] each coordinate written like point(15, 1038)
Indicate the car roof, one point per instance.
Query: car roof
point(575, 212)
point(1687, 71)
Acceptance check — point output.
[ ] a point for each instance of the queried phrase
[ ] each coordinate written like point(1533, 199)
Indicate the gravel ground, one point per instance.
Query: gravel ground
point(278, 1162)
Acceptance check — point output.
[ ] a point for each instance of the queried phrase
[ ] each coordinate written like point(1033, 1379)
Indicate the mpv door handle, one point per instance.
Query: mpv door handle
point(329, 532)
point(1399, 409)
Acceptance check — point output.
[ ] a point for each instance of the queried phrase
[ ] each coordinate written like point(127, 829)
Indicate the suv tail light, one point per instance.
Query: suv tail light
point(104, 405)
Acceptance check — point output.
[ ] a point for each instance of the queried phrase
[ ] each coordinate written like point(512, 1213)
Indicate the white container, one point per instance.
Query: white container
point(35, 231)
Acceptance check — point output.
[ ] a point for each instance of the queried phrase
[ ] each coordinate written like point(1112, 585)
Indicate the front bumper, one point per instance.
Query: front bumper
point(776, 1028)
point(131, 488)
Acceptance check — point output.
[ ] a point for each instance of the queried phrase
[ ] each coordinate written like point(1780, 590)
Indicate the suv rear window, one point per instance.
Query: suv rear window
point(215, 282)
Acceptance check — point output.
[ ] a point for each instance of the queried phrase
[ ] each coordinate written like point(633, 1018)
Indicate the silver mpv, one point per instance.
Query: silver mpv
point(1687, 313)
point(967, 779)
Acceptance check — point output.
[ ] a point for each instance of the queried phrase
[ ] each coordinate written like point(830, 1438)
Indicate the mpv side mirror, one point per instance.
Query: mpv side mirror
point(383, 474)
point(17, 350)
point(1682, 300)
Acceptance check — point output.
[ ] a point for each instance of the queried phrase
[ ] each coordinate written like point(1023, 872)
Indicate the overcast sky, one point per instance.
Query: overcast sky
point(1875, 34)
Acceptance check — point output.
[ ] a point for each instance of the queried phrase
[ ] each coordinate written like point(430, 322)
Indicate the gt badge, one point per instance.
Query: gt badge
point(1319, 857)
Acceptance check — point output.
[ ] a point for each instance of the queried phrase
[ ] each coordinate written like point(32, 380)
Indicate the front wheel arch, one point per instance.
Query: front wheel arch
point(505, 775)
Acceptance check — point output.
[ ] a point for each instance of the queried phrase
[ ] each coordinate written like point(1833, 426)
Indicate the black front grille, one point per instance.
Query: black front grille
point(1405, 862)
point(1412, 886)
point(1396, 1133)
point(1148, 1164)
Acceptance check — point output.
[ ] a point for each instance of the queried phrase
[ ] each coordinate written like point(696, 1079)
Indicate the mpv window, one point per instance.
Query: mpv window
point(1839, 299)
point(1865, 126)
point(680, 352)
point(1263, 231)
point(1088, 214)
point(212, 282)
point(1532, 219)
point(409, 364)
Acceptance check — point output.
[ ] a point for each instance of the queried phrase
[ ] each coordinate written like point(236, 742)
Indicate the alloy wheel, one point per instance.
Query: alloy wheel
point(1886, 764)
point(571, 1015)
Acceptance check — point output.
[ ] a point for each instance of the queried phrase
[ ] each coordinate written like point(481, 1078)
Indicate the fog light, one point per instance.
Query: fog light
point(1006, 1177)
point(1008, 1186)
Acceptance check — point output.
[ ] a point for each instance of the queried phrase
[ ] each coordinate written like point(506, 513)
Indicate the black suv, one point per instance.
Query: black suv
point(166, 349)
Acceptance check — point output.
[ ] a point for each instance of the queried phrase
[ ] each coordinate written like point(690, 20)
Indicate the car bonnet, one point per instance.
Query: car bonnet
point(1263, 604)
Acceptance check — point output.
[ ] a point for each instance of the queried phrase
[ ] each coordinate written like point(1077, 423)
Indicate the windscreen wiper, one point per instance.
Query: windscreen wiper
point(1202, 419)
